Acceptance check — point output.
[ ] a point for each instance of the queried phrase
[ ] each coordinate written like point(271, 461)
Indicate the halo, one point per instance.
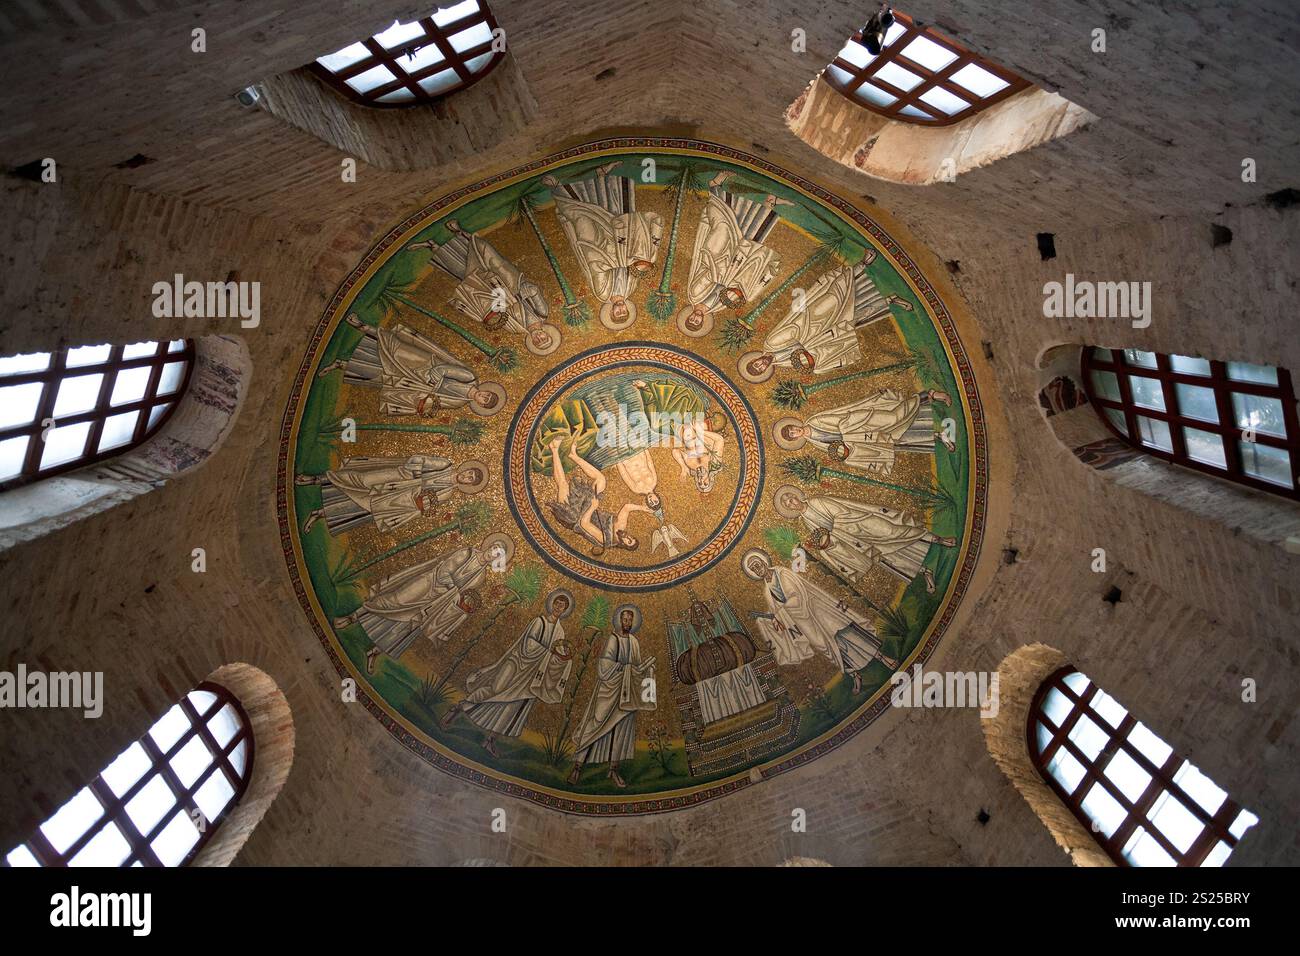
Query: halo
point(781, 509)
point(751, 553)
point(482, 482)
point(607, 316)
point(558, 593)
point(705, 328)
point(554, 334)
point(496, 390)
point(788, 444)
point(748, 376)
point(506, 542)
point(618, 612)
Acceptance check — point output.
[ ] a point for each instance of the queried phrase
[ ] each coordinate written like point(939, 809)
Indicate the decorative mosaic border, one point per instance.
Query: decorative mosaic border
point(632, 806)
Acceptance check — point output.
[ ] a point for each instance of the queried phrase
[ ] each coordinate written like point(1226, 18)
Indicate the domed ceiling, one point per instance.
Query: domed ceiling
point(626, 479)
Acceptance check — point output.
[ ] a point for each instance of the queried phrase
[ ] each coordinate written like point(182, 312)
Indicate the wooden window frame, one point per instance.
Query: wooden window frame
point(929, 78)
point(433, 34)
point(1225, 427)
point(114, 807)
point(53, 375)
point(1215, 827)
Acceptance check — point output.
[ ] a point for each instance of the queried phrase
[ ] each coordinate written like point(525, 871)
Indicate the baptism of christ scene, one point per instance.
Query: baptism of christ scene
point(624, 478)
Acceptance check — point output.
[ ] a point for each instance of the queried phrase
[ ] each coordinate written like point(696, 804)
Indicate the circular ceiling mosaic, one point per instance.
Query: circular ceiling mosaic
point(628, 478)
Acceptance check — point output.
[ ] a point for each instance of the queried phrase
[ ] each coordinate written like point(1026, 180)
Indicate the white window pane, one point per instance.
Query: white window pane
point(156, 413)
point(837, 76)
point(176, 840)
point(1077, 682)
point(1147, 392)
point(1044, 736)
point(1088, 736)
point(941, 99)
point(400, 95)
point(399, 34)
point(1067, 771)
point(1218, 855)
point(129, 767)
point(172, 374)
point(106, 848)
point(192, 760)
point(72, 820)
point(1140, 358)
point(1200, 788)
point(345, 57)
point(18, 403)
point(118, 430)
point(1154, 433)
point(151, 804)
point(88, 355)
point(239, 758)
point(1123, 771)
point(169, 728)
point(139, 350)
point(12, 453)
point(1106, 385)
point(29, 362)
point(856, 54)
point(910, 110)
point(1103, 809)
point(1188, 365)
point(77, 393)
point(1261, 413)
point(979, 80)
point(1117, 419)
point(439, 82)
point(201, 700)
point(1057, 706)
point(1143, 850)
point(1149, 745)
point(129, 385)
point(424, 57)
point(21, 856)
point(1245, 820)
point(371, 79)
point(176, 345)
point(224, 724)
point(457, 11)
point(64, 444)
point(1195, 401)
point(1266, 463)
point(894, 32)
point(1180, 826)
point(476, 64)
point(929, 54)
point(1205, 447)
point(895, 75)
point(476, 35)
point(1109, 708)
point(214, 795)
point(1245, 372)
point(874, 95)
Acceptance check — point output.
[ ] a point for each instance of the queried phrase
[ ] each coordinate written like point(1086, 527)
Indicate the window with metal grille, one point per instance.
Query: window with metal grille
point(920, 76)
point(163, 797)
point(1143, 803)
point(418, 62)
point(62, 410)
point(1230, 419)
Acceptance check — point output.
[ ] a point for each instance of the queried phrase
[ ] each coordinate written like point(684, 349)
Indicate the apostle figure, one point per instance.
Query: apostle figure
point(803, 620)
point(413, 374)
point(822, 336)
point(614, 244)
point(492, 289)
point(730, 264)
point(577, 502)
point(430, 599)
point(868, 433)
point(389, 491)
point(852, 537)
point(624, 685)
point(500, 697)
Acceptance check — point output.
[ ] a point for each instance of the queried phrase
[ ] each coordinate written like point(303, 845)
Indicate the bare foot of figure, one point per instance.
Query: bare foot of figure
point(618, 781)
point(490, 746)
point(307, 479)
point(943, 398)
point(929, 581)
point(371, 655)
point(857, 683)
point(576, 773)
point(311, 520)
point(449, 716)
point(332, 367)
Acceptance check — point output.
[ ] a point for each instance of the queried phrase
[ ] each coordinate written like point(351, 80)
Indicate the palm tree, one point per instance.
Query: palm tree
point(662, 302)
point(502, 358)
point(468, 521)
point(576, 313)
point(793, 394)
point(808, 470)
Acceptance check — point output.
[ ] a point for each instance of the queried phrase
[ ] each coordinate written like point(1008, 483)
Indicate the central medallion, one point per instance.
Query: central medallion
point(633, 466)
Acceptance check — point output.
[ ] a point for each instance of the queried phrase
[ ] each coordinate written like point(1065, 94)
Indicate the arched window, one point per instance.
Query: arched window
point(163, 797)
point(920, 76)
point(102, 399)
point(1230, 419)
point(1143, 803)
point(417, 62)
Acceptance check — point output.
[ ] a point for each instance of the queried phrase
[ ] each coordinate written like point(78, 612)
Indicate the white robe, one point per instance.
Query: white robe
point(725, 259)
point(383, 489)
point(607, 731)
point(607, 243)
point(420, 601)
point(874, 428)
point(813, 624)
point(501, 695)
point(491, 283)
point(824, 328)
point(863, 535)
point(410, 370)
